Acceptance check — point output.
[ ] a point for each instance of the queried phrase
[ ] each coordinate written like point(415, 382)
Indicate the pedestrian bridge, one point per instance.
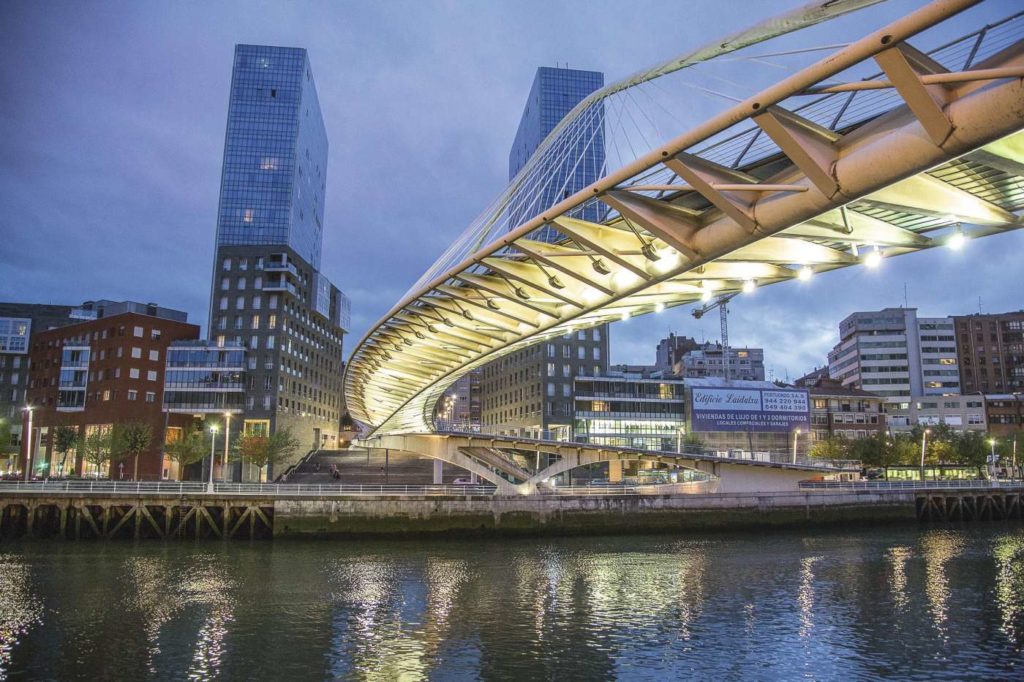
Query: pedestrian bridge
point(523, 466)
point(899, 141)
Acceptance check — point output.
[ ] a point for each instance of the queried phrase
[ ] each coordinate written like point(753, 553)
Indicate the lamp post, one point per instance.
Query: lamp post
point(213, 444)
point(227, 434)
point(992, 455)
point(680, 433)
point(924, 444)
point(796, 435)
point(28, 443)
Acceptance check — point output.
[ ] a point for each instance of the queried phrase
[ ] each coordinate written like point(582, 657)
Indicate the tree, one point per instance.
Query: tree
point(65, 439)
point(190, 448)
point(96, 450)
point(833, 447)
point(264, 450)
point(6, 447)
point(131, 440)
point(875, 450)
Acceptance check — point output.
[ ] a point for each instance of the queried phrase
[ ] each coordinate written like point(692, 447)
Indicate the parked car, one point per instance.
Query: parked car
point(463, 481)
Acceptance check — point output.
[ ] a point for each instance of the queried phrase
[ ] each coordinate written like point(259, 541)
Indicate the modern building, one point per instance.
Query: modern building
point(896, 354)
point(991, 349)
point(529, 392)
point(268, 293)
point(710, 360)
point(1004, 414)
point(630, 412)
point(962, 412)
point(459, 408)
point(850, 413)
point(99, 373)
point(18, 321)
point(671, 350)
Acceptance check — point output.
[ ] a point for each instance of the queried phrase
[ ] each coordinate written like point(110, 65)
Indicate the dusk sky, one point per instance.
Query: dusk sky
point(113, 119)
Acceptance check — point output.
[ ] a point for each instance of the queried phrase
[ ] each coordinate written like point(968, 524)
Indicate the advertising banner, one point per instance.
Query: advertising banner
point(778, 410)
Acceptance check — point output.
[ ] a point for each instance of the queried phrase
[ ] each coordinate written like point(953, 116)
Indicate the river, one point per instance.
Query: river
point(907, 603)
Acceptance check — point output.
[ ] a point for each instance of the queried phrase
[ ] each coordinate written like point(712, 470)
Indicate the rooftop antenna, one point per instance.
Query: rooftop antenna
point(980, 312)
point(905, 304)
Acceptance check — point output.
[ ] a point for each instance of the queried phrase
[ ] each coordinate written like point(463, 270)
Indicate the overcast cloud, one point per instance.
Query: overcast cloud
point(113, 117)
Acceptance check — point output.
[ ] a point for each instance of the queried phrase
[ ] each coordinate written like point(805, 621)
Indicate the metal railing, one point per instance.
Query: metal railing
point(233, 489)
point(591, 490)
point(910, 485)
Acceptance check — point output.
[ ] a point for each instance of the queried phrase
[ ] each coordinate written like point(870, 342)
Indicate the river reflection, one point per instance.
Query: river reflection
point(906, 603)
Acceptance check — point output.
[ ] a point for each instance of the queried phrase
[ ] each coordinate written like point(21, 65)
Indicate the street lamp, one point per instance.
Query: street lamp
point(28, 449)
point(213, 443)
point(796, 435)
point(992, 455)
point(680, 432)
point(227, 433)
point(924, 442)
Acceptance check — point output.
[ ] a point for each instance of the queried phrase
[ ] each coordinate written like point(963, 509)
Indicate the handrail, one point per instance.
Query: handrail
point(75, 486)
point(970, 484)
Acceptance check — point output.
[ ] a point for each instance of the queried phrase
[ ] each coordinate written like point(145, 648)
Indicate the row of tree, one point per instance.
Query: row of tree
point(127, 441)
point(943, 445)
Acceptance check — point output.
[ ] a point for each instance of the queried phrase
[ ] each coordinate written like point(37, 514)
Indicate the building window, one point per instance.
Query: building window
point(137, 332)
point(154, 355)
point(151, 375)
point(241, 283)
point(240, 303)
point(272, 321)
point(106, 395)
point(255, 322)
point(226, 265)
point(225, 283)
point(270, 342)
point(223, 302)
point(136, 352)
point(551, 390)
point(132, 394)
point(150, 397)
point(257, 301)
point(133, 373)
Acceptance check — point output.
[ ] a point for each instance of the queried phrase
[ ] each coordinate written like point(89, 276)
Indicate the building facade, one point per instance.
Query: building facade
point(710, 360)
point(18, 321)
point(896, 354)
point(459, 408)
point(268, 294)
point(671, 349)
point(991, 349)
point(961, 412)
point(630, 412)
point(1004, 413)
point(530, 392)
point(841, 411)
point(97, 374)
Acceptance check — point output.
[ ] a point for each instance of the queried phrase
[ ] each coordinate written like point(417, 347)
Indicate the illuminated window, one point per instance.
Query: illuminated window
point(268, 163)
point(247, 216)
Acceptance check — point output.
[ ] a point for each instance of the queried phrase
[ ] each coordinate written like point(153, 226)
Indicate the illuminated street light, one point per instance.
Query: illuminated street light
point(873, 259)
point(924, 441)
point(227, 434)
point(213, 443)
point(796, 436)
point(28, 450)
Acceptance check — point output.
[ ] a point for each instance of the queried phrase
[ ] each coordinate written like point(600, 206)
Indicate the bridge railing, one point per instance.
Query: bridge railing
point(910, 485)
point(233, 489)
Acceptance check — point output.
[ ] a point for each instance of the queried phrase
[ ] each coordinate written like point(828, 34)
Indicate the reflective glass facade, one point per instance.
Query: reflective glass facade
point(203, 378)
point(553, 95)
point(275, 154)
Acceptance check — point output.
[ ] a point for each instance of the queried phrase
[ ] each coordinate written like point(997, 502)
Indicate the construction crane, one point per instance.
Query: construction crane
point(722, 303)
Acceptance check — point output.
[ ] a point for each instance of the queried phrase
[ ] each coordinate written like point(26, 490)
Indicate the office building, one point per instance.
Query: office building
point(1004, 415)
point(710, 360)
point(991, 349)
point(268, 293)
point(630, 412)
point(98, 373)
point(18, 321)
point(896, 354)
point(530, 392)
point(961, 412)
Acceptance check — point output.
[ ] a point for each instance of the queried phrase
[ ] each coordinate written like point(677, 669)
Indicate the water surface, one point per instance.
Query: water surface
point(905, 603)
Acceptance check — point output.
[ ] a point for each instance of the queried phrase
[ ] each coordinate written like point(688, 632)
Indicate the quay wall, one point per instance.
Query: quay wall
point(585, 514)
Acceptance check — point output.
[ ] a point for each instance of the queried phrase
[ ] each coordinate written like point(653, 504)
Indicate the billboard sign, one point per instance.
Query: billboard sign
point(776, 410)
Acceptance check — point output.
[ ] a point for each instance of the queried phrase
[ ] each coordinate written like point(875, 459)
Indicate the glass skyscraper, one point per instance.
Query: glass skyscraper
point(275, 154)
point(573, 163)
point(268, 295)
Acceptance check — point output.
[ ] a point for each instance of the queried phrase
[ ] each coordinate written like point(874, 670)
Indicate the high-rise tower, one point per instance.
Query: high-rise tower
point(268, 293)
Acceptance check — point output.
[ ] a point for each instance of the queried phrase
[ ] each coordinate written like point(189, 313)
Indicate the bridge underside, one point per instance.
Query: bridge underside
point(771, 190)
point(514, 465)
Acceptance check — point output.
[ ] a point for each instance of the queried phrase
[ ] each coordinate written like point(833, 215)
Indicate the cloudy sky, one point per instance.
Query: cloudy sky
point(113, 116)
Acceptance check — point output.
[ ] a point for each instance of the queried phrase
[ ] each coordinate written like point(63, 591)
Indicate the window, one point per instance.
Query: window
point(132, 394)
point(270, 342)
point(155, 334)
point(220, 340)
point(254, 342)
point(154, 355)
point(225, 283)
point(120, 352)
point(272, 321)
point(272, 303)
point(136, 352)
point(222, 323)
point(137, 332)
point(581, 352)
point(566, 390)
point(257, 283)
point(551, 390)
point(223, 302)
point(151, 375)
point(133, 373)
point(150, 397)
point(597, 353)
point(255, 322)
point(226, 265)
point(239, 302)
point(241, 283)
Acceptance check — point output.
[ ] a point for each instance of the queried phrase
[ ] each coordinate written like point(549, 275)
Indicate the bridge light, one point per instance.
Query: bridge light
point(705, 295)
point(492, 305)
point(956, 240)
point(659, 306)
point(600, 267)
point(623, 279)
point(521, 293)
point(873, 259)
point(466, 314)
point(625, 315)
point(748, 286)
point(805, 273)
point(555, 282)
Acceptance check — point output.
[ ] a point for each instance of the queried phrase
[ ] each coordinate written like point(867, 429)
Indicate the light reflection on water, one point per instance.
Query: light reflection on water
point(906, 603)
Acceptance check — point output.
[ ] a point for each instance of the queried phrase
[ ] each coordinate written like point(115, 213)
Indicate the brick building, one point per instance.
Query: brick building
point(991, 349)
point(98, 373)
point(838, 410)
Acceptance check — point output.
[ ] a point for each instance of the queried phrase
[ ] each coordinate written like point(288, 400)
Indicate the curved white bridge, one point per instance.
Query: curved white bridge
point(877, 150)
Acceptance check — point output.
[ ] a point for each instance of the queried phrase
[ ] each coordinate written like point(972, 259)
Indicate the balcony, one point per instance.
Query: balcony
point(281, 285)
point(272, 266)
